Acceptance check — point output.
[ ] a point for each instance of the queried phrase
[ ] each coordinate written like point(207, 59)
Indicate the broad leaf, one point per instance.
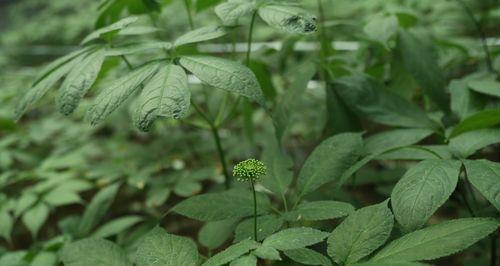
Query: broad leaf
point(479, 120)
point(488, 87)
point(79, 81)
point(390, 139)
point(116, 226)
point(111, 29)
point(231, 253)
point(266, 225)
point(319, 210)
point(118, 91)
point(279, 173)
point(230, 11)
point(96, 209)
point(485, 176)
point(94, 251)
point(202, 34)
point(223, 205)
point(35, 217)
point(6, 223)
point(370, 100)
point(360, 233)
point(464, 102)
point(294, 238)
point(248, 260)
point(267, 253)
point(213, 234)
point(135, 48)
point(438, 240)
point(422, 190)
point(328, 161)
point(166, 94)
point(160, 248)
point(308, 257)
point(381, 29)
point(468, 143)
point(287, 18)
point(224, 74)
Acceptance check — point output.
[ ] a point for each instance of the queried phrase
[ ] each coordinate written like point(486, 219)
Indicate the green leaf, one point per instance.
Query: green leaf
point(47, 81)
point(319, 210)
point(14, 258)
point(59, 197)
point(118, 91)
point(205, 4)
point(230, 11)
point(26, 200)
point(97, 209)
point(421, 61)
point(294, 238)
point(308, 257)
point(279, 165)
point(93, 251)
point(224, 74)
point(223, 205)
point(361, 233)
point(468, 143)
point(389, 263)
point(108, 30)
point(116, 226)
point(390, 139)
point(287, 18)
point(35, 217)
point(438, 240)
point(463, 101)
point(266, 225)
point(248, 260)
point(135, 48)
point(267, 253)
point(485, 176)
point(213, 234)
point(231, 253)
point(79, 81)
point(488, 87)
point(166, 94)
point(422, 190)
point(381, 29)
point(202, 34)
point(479, 120)
point(371, 101)
point(328, 161)
point(160, 248)
point(417, 152)
point(6, 223)
point(138, 30)
point(45, 259)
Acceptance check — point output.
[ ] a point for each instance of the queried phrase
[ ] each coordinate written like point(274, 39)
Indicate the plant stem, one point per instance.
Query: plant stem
point(249, 41)
point(127, 62)
point(481, 34)
point(254, 211)
point(188, 10)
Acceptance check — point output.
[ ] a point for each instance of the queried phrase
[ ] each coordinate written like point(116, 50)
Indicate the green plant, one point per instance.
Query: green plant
point(376, 125)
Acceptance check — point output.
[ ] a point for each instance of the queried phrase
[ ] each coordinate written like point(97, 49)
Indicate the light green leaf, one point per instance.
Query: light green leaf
point(294, 238)
point(488, 87)
point(111, 29)
point(308, 257)
point(26, 200)
point(438, 240)
point(329, 160)
point(267, 253)
point(422, 190)
point(79, 81)
point(390, 139)
point(266, 225)
point(135, 48)
point(485, 176)
point(118, 91)
point(279, 173)
point(319, 210)
point(97, 208)
point(213, 234)
point(35, 217)
point(421, 61)
point(229, 12)
point(389, 263)
point(6, 223)
point(224, 74)
point(381, 28)
point(464, 102)
point(116, 226)
point(138, 30)
point(201, 34)
point(371, 101)
point(248, 260)
point(223, 205)
point(160, 248)
point(417, 152)
point(468, 143)
point(166, 94)
point(14, 258)
point(361, 233)
point(231, 253)
point(95, 252)
point(479, 120)
point(45, 259)
point(59, 197)
point(291, 19)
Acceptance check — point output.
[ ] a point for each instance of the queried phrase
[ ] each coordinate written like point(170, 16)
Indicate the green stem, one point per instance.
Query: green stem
point(254, 211)
point(127, 62)
point(249, 41)
point(190, 17)
point(480, 33)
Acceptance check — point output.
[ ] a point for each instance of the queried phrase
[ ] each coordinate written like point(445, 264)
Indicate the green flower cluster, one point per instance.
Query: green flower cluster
point(249, 170)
